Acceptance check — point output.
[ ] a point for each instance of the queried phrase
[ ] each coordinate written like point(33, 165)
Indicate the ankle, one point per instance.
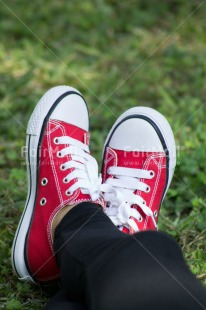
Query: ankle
point(59, 216)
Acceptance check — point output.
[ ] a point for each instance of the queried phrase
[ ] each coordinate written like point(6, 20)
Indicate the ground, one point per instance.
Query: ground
point(119, 54)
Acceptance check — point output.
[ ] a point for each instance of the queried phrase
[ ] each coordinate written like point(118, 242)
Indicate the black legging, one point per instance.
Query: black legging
point(105, 269)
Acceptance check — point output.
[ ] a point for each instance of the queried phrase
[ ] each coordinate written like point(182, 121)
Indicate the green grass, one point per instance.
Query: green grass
point(94, 46)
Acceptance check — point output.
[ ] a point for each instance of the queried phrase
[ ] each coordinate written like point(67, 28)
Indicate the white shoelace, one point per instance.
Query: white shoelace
point(85, 167)
point(119, 193)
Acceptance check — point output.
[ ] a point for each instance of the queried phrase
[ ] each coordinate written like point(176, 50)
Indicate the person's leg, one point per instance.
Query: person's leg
point(107, 269)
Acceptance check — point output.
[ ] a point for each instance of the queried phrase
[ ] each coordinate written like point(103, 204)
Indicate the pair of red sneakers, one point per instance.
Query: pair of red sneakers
point(138, 164)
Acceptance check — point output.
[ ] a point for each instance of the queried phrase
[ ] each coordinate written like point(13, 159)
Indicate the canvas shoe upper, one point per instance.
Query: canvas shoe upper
point(138, 163)
point(61, 172)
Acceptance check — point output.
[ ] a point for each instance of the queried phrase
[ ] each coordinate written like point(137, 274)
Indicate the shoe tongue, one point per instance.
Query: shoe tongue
point(132, 159)
point(121, 158)
point(75, 132)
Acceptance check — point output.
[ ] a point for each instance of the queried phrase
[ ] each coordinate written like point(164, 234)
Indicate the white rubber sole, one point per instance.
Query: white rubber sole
point(163, 126)
point(34, 129)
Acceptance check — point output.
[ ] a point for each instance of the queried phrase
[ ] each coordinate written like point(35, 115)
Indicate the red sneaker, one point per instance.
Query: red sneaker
point(138, 165)
point(60, 172)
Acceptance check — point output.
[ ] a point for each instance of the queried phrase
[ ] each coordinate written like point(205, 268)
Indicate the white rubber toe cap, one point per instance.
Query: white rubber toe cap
point(68, 105)
point(70, 109)
point(136, 134)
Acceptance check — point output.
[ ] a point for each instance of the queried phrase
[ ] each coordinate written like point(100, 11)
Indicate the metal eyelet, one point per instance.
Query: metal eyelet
point(152, 173)
point(62, 167)
point(59, 154)
point(68, 193)
point(65, 180)
point(56, 141)
point(155, 213)
point(144, 202)
point(148, 189)
point(43, 201)
point(44, 181)
point(140, 219)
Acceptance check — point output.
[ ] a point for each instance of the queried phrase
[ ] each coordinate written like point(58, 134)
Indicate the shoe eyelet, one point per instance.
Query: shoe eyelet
point(147, 189)
point(56, 141)
point(62, 167)
point(43, 201)
point(44, 181)
point(140, 219)
point(65, 180)
point(59, 154)
point(155, 213)
point(68, 193)
point(144, 202)
point(152, 173)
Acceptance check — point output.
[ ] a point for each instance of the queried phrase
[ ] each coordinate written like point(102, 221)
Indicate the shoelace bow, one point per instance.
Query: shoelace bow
point(119, 193)
point(86, 167)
